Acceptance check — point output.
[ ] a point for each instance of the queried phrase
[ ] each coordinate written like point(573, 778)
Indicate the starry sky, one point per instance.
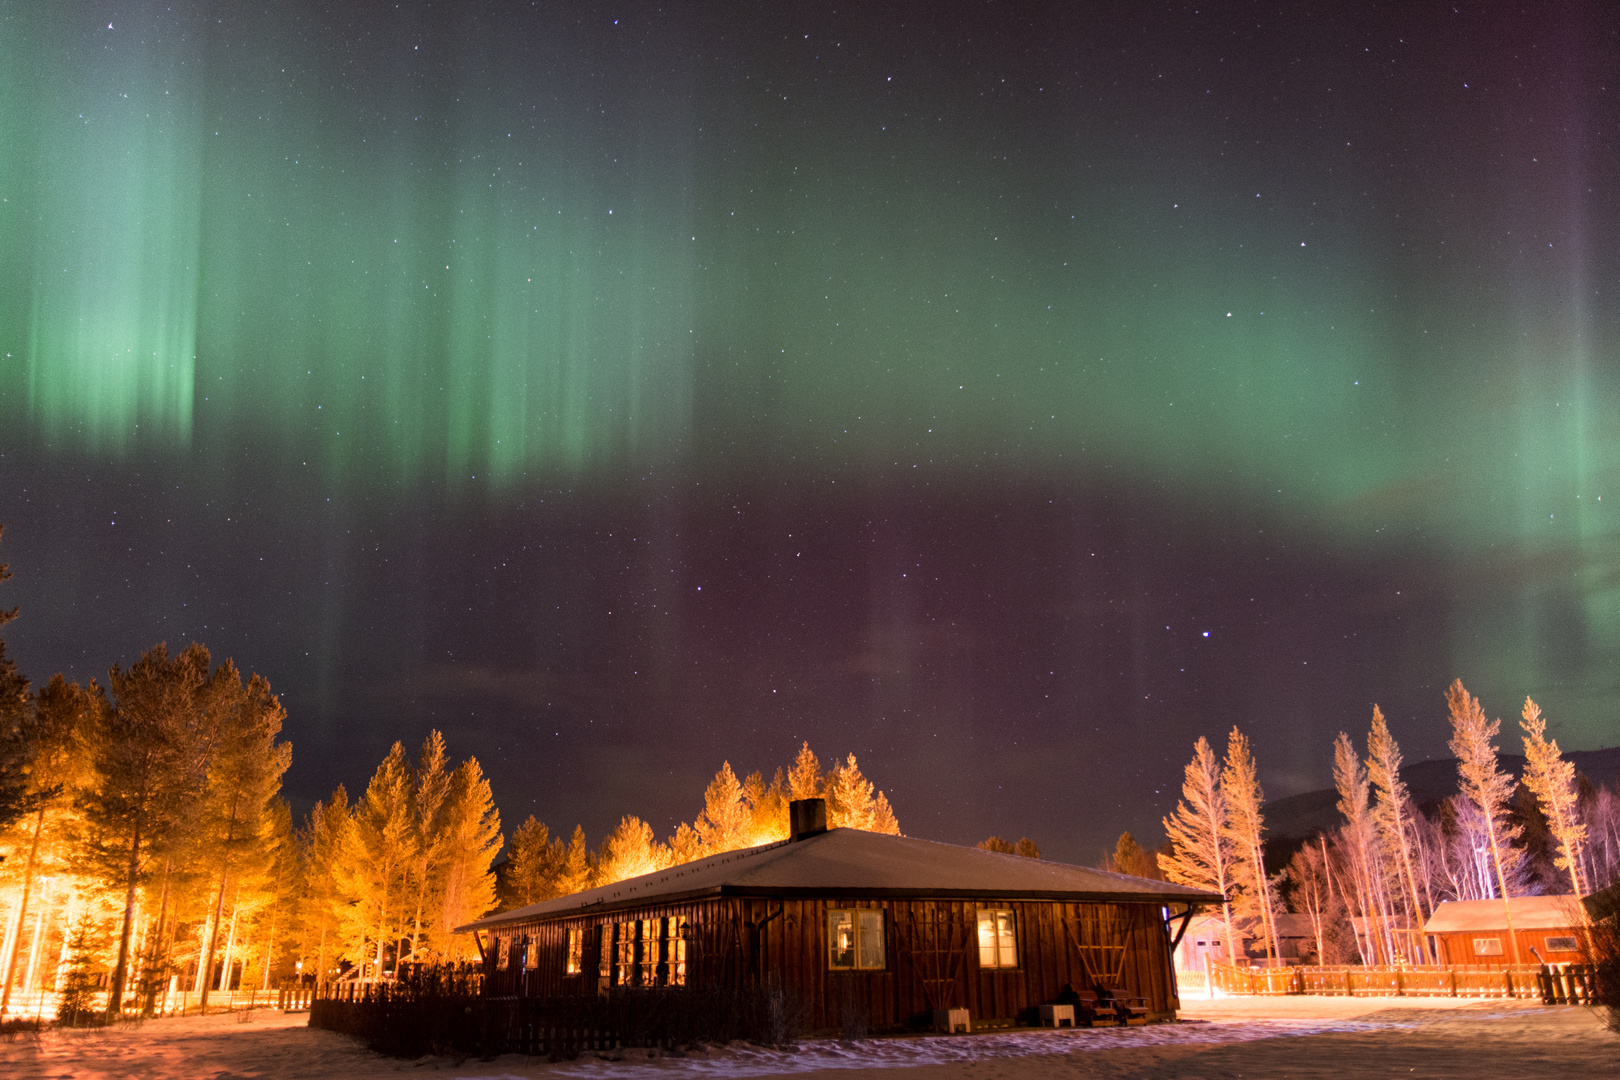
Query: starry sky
point(1006, 393)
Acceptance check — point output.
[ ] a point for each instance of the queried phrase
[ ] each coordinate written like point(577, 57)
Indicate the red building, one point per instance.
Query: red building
point(1548, 929)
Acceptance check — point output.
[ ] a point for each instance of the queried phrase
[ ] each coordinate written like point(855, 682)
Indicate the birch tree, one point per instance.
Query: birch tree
point(1360, 846)
point(1390, 812)
point(1483, 783)
point(1200, 852)
point(1552, 780)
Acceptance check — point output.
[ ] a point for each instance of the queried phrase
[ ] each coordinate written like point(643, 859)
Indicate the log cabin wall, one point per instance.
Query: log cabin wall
point(931, 955)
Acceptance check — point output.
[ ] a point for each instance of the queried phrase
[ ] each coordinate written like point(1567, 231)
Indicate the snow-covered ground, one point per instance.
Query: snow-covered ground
point(1230, 1037)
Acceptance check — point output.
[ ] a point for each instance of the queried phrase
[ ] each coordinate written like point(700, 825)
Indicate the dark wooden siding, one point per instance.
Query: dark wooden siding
point(931, 951)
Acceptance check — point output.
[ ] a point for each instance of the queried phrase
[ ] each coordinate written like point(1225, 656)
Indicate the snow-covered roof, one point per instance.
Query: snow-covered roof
point(852, 863)
point(1529, 913)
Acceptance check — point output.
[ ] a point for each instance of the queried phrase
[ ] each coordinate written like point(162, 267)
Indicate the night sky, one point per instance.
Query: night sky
point(1007, 394)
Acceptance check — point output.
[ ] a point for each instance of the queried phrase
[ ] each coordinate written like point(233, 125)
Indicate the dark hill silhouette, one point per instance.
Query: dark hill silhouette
point(1299, 817)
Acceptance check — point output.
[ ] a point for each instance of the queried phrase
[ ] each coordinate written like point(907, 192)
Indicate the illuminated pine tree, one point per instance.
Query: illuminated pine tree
point(575, 868)
point(804, 777)
point(685, 846)
point(148, 762)
point(322, 902)
point(725, 824)
point(243, 780)
point(1200, 853)
point(852, 802)
point(1552, 780)
point(767, 807)
point(463, 886)
point(373, 865)
point(430, 785)
point(50, 736)
point(629, 851)
point(1484, 784)
point(530, 869)
point(1245, 828)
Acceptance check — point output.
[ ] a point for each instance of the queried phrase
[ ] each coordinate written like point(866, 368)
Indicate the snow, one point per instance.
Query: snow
point(1249, 1037)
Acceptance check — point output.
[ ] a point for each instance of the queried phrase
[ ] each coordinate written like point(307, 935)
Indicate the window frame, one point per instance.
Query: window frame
point(1488, 946)
point(1574, 943)
point(997, 944)
point(574, 954)
point(861, 924)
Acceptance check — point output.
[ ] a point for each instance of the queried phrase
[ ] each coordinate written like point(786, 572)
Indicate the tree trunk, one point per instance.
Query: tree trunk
point(22, 908)
point(115, 995)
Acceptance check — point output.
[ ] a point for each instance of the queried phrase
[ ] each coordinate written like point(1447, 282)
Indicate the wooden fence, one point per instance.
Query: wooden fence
point(1560, 984)
point(410, 1021)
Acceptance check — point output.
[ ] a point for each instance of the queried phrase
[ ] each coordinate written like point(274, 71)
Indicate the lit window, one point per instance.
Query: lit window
point(675, 952)
point(1487, 946)
point(855, 940)
point(1563, 944)
point(576, 951)
point(998, 943)
point(531, 955)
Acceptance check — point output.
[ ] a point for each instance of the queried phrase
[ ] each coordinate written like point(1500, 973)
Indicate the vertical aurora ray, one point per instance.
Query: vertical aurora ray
point(108, 232)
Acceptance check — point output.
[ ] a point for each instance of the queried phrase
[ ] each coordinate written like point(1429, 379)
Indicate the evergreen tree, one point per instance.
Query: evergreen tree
point(1552, 780)
point(726, 821)
point(322, 901)
point(15, 748)
point(243, 780)
point(1200, 853)
point(804, 778)
point(768, 808)
point(576, 868)
point(1245, 828)
point(464, 883)
point(531, 869)
point(430, 788)
point(1025, 848)
point(374, 862)
point(1129, 858)
point(148, 760)
point(629, 851)
point(998, 845)
point(1483, 783)
point(50, 730)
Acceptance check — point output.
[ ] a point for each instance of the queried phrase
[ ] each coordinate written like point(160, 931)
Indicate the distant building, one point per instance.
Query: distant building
point(1205, 942)
point(1548, 929)
point(891, 927)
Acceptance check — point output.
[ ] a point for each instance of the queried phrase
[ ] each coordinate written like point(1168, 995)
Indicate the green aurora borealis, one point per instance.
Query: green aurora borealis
point(1346, 282)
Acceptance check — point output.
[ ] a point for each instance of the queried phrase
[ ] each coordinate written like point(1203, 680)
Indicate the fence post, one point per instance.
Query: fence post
point(1452, 971)
point(1400, 982)
point(1507, 978)
point(1349, 987)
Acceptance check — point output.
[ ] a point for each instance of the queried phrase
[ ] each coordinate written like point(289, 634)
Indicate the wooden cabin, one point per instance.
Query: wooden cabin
point(888, 928)
point(1548, 929)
